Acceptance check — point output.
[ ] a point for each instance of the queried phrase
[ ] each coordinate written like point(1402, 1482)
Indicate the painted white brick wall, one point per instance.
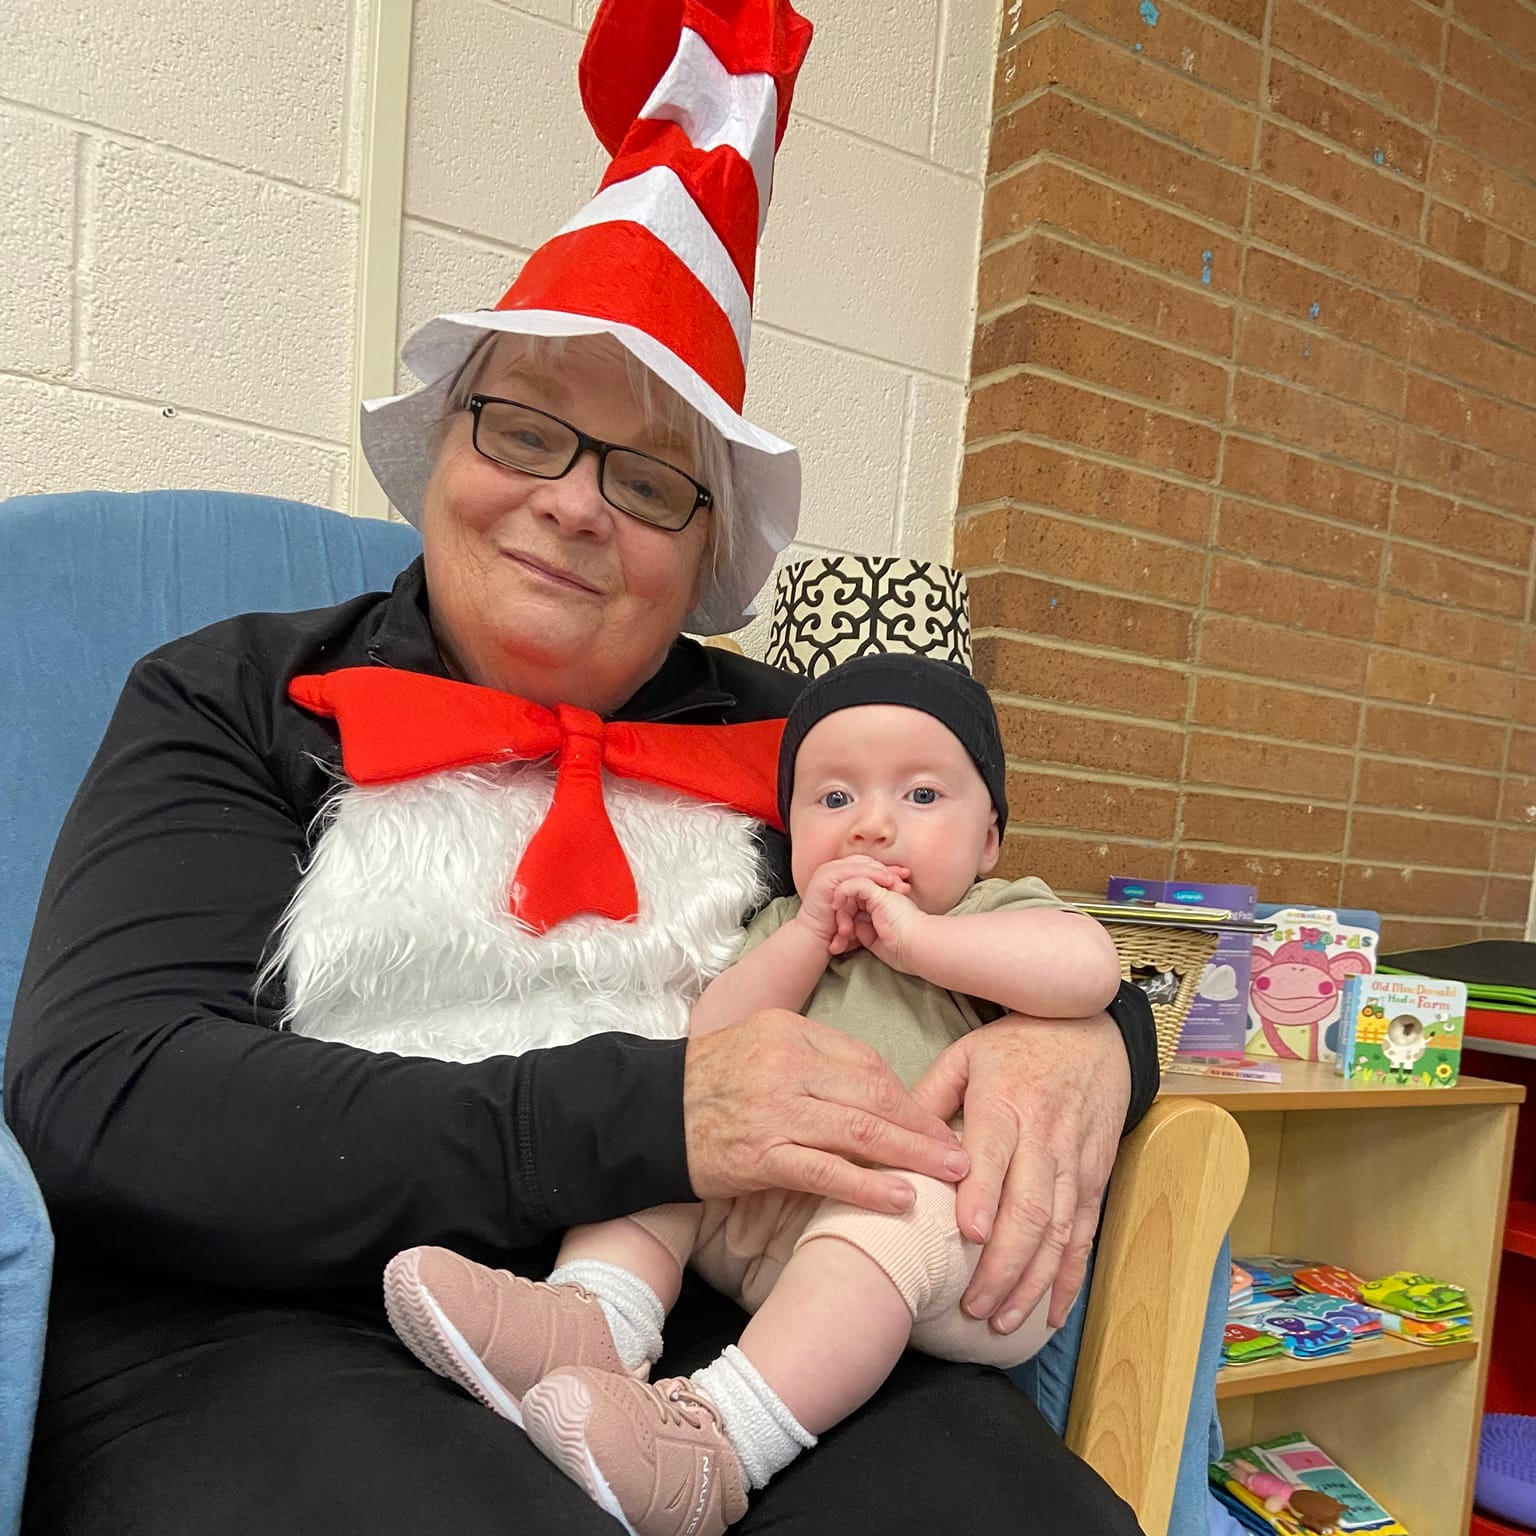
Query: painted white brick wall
point(178, 227)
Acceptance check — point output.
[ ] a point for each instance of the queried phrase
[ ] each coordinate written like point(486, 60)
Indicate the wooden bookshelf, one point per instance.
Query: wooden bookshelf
point(1376, 1179)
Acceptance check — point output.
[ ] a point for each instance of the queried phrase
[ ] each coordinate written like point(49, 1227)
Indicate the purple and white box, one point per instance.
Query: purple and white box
point(1218, 1018)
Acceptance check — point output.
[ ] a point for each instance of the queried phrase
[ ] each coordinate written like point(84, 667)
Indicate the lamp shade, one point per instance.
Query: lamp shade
point(833, 608)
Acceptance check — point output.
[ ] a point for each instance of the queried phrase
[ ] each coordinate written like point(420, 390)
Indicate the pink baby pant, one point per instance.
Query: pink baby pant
point(741, 1247)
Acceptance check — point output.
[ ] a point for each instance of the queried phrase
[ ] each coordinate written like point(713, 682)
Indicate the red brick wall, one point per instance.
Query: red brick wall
point(1250, 477)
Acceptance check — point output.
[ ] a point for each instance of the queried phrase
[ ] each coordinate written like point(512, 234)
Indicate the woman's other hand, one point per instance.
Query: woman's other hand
point(780, 1102)
point(1045, 1102)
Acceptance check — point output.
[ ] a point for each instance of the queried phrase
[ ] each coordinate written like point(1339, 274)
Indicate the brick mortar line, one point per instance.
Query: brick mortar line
point(1064, 21)
point(1098, 652)
point(1076, 241)
point(1526, 237)
point(1239, 306)
point(916, 370)
point(190, 413)
point(1443, 135)
point(904, 468)
point(939, 18)
point(1193, 667)
point(1198, 609)
point(1393, 415)
point(1374, 38)
point(1261, 111)
point(1174, 477)
point(1120, 327)
point(1090, 835)
point(77, 254)
point(458, 232)
point(1011, 371)
point(1014, 40)
point(1358, 860)
point(1090, 174)
point(125, 139)
point(344, 148)
point(1509, 54)
point(1256, 796)
point(1213, 521)
point(1302, 66)
point(1001, 376)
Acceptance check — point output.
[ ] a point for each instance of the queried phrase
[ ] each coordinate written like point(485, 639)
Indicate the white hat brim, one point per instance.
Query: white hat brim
point(397, 433)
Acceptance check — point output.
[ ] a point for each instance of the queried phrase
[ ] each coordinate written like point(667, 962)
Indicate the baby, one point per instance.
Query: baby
point(891, 784)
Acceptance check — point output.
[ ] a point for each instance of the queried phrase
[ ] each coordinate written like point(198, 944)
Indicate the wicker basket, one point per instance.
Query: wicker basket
point(1184, 952)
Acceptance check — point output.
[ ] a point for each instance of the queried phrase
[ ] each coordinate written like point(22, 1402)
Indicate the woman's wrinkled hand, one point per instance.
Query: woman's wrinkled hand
point(1044, 1102)
point(780, 1102)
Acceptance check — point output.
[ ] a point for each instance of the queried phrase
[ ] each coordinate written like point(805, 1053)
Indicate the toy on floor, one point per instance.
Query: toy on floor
point(1506, 1467)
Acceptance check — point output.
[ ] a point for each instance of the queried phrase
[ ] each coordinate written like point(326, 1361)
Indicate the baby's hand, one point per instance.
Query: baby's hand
point(818, 902)
point(877, 918)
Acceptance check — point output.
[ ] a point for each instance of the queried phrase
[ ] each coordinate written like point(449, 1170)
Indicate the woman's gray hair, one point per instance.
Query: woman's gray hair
point(710, 454)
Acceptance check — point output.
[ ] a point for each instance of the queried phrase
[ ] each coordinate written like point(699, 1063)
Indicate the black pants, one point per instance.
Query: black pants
point(187, 1412)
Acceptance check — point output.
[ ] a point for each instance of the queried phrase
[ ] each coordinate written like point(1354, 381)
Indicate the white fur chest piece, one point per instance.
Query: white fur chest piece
point(399, 937)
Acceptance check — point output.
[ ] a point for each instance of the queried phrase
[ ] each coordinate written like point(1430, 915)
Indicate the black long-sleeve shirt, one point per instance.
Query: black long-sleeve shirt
point(170, 1121)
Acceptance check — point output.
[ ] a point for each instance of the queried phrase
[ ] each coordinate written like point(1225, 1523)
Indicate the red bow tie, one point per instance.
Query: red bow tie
point(402, 725)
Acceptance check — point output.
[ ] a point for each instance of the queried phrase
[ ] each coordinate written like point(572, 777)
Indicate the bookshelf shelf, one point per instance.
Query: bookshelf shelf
point(1374, 1357)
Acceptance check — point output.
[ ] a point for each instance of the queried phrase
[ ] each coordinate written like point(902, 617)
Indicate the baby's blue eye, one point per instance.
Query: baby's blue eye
point(925, 795)
point(835, 799)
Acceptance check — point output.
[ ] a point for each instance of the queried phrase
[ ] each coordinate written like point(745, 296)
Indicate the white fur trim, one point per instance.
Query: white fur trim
point(399, 937)
point(714, 107)
point(658, 201)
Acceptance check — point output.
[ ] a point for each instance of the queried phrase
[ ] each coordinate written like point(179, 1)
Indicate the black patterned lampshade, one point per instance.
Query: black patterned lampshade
point(834, 608)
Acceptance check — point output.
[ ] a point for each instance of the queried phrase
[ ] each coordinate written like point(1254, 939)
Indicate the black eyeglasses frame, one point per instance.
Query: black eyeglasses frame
point(586, 443)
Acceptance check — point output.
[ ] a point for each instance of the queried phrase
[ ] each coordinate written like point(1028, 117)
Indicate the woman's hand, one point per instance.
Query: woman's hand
point(780, 1102)
point(1044, 1101)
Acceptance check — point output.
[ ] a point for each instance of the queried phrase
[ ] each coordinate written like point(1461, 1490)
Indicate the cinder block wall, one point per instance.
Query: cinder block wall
point(1251, 467)
point(178, 228)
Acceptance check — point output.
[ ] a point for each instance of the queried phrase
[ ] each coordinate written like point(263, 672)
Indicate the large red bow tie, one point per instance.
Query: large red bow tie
point(402, 725)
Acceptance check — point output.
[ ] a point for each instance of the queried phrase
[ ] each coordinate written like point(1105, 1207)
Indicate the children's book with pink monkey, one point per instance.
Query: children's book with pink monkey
point(1298, 977)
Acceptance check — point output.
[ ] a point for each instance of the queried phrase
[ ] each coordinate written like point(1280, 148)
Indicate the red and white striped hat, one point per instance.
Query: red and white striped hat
point(691, 98)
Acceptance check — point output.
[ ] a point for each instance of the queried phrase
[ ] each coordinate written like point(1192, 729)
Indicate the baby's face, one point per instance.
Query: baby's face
point(894, 784)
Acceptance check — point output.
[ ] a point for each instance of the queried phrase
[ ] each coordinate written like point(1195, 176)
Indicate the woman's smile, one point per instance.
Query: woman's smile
point(552, 575)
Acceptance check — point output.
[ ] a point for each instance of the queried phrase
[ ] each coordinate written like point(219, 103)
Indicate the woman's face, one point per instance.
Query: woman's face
point(540, 587)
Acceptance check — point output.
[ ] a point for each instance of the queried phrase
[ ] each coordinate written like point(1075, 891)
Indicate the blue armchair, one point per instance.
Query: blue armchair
point(90, 582)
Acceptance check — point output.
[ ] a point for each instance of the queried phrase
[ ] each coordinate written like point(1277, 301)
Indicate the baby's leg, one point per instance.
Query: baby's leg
point(634, 1267)
point(829, 1334)
point(651, 1245)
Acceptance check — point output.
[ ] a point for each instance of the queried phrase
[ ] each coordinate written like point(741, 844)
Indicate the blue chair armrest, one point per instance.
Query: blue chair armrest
point(26, 1263)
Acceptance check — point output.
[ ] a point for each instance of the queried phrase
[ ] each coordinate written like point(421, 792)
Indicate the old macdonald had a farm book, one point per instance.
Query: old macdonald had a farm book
point(1402, 1030)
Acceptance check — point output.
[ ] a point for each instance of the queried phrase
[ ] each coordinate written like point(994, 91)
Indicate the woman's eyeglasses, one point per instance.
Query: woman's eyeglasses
point(536, 443)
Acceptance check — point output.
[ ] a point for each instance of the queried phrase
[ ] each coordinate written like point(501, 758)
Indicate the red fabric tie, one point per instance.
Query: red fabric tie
point(404, 725)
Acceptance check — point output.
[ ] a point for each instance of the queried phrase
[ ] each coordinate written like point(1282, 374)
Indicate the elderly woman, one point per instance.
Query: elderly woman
point(319, 973)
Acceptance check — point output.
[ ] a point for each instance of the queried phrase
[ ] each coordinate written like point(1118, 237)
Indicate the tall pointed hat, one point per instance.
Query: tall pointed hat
point(691, 98)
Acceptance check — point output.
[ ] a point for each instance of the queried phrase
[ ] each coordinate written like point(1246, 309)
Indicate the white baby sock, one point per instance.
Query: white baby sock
point(633, 1310)
point(763, 1431)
